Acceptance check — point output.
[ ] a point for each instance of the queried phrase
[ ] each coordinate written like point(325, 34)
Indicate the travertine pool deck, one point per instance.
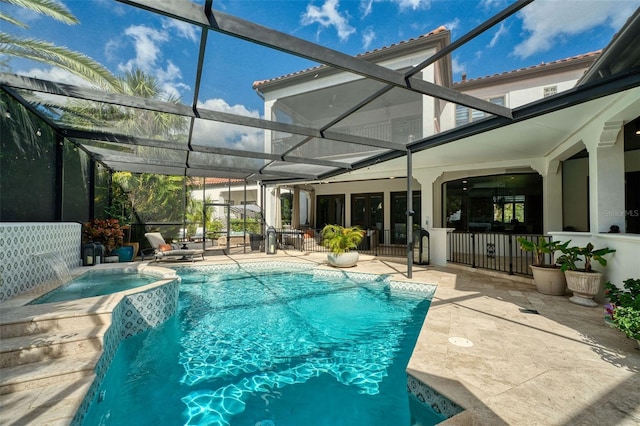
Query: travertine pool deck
point(532, 359)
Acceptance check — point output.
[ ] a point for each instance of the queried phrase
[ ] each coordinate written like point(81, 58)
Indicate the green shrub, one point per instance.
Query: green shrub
point(625, 306)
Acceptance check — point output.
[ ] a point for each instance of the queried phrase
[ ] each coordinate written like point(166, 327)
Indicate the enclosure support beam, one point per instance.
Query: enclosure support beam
point(410, 213)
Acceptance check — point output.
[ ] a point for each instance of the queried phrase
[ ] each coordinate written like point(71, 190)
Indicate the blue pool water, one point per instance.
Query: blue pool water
point(96, 283)
point(269, 349)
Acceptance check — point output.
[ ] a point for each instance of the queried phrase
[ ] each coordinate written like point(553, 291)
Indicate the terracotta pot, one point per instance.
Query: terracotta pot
point(549, 280)
point(343, 260)
point(584, 285)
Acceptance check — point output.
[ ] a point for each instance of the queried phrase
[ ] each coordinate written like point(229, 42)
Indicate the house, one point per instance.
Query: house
point(571, 172)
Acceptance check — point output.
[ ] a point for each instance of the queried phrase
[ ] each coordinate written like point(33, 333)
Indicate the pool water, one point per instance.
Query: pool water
point(267, 349)
point(96, 283)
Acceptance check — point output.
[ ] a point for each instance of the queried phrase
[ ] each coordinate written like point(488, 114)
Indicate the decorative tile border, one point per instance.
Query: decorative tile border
point(249, 267)
point(26, 248)
point(416, 287)
point(134, 314)
point(431, 398)
point(354, 276)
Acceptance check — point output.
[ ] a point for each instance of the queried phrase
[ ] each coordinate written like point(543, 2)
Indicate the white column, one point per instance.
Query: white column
point(606, 178)
point(426, 178)
point(552, 197)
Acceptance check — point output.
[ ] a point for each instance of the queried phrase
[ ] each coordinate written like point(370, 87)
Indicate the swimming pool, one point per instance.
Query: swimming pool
point(96, 283)
point(270, 348)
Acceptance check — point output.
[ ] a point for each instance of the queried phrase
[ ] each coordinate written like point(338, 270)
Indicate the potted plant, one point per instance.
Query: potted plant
point(585, 282)
point(342, 242)
point(549, 279)
point(624, 307)
point(106, 232)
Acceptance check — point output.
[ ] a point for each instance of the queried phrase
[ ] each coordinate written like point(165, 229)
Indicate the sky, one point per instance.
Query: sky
point(122, 37)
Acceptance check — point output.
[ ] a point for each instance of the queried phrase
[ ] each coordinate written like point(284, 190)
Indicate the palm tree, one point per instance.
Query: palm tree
point(46, 52)
point(151, 124)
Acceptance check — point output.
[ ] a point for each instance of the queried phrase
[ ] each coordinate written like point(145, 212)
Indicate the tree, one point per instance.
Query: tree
point(48, 53)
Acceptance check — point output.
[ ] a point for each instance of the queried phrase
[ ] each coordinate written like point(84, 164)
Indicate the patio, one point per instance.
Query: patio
point(534, 359)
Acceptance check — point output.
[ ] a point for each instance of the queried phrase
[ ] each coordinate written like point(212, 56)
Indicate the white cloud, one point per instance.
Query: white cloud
point(328, 16)
point(183, 29)
point(502, 30)
point(452, 25)
point(111, 49)
point(57, 74)
point(367, 38)
point(413, 4)
point(457, 67)
point(229, 136)
point(491, 4)
point(548, 22)
point(366, 6)
point(146, 42)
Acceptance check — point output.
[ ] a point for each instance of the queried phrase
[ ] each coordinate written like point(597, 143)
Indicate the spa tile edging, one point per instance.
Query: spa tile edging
point(134, 314)
point(431, 398)
point(23, 251)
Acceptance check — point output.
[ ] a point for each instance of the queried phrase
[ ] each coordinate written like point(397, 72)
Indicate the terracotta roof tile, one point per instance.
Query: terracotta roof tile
point(593, 55)
point(438, 30)
point(220, 181)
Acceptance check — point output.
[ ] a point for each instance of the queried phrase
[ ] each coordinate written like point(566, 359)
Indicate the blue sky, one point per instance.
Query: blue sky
point(122, 37)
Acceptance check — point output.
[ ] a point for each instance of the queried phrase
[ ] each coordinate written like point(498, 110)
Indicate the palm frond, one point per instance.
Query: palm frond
point(74, 62)
point(11, 20)
point(48, 8)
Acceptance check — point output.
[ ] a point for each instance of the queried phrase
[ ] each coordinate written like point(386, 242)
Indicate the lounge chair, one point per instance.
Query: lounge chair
point(163, 251)
point(198, 236)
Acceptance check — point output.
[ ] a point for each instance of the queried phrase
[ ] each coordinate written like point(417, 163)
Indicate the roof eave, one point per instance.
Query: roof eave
point(435, 40)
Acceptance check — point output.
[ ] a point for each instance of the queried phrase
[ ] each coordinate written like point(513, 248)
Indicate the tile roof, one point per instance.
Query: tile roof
point(221, 181)
point(440, 29)
point(591, 55)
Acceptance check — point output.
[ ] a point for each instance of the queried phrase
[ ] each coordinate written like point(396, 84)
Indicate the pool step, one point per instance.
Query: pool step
point(49, 323)
point(51, 405)
point(32, 348)
point(49, 372)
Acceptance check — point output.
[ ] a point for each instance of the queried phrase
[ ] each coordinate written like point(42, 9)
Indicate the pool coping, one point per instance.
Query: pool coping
point(522, 368)
point(116, 304)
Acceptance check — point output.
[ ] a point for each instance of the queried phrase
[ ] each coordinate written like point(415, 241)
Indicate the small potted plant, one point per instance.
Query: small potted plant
point(583, 282)
point(342, 242)
point(624, 307)
point(106, 232)
point(549, 279)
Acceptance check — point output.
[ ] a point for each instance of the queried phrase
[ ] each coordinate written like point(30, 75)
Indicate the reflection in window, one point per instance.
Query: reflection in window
point(498, 203)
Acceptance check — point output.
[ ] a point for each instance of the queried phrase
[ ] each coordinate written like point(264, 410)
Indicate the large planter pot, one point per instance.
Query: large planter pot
point(124, 253)
point(112, 258)
point(549, 280)
point(136, 248)
point(584, 285)
point(343, 260)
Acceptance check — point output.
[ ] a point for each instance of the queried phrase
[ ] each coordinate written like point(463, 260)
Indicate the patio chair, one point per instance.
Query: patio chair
point(164, 251)
point(199, 235)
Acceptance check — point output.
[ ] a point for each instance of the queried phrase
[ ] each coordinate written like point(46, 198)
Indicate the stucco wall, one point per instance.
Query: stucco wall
point(26, 250)
point(575, 206)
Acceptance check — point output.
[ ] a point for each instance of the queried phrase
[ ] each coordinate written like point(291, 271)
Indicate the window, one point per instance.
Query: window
point(550, 91)
point(466, 115)
point(508, 208)
point(399, 215)
point(497, 203)
point(367, 212)
point(330, 210)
